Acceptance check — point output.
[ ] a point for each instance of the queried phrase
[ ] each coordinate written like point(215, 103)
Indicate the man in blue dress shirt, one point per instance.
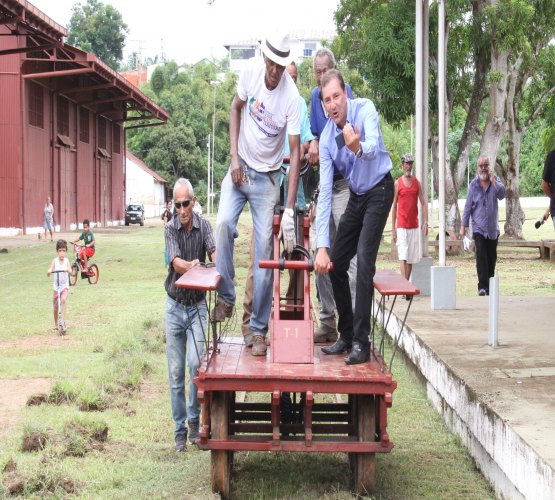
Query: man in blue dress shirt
point(352, 144)
point(482, 205)
point(324, 60)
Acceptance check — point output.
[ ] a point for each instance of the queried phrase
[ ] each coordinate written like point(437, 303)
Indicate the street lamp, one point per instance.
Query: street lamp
point(210, 188)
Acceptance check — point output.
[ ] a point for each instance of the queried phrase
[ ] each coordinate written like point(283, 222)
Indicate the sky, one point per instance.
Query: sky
point(189, 30)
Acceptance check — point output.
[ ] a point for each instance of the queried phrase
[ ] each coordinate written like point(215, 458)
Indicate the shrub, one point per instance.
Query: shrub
point(62, 392)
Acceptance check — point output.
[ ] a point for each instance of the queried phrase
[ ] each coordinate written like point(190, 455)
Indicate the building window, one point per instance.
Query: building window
point(63, 116)
point(242, 54)
point(36, 105)
point(117, 139)
point(309, 49)
point(101, 132)
point(84, 125)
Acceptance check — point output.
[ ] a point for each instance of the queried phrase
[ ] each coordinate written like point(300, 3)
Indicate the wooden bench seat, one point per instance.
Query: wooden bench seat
point(544, 246)
point(388, 284)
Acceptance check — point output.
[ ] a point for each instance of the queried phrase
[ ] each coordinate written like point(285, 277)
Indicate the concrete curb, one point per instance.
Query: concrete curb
point(509, 463)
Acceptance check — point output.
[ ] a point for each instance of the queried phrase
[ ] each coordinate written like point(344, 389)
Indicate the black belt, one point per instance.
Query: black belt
point(184, 302)
point(383, 179)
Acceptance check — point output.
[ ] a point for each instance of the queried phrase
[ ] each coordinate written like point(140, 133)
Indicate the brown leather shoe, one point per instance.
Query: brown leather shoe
point(221, 311)
point(259, 347)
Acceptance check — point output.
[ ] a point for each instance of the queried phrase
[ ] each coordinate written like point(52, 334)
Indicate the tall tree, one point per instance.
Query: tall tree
point(498, 54)
point(377, 37)
point(525, 83)
point(98, 28)
point(191, 97)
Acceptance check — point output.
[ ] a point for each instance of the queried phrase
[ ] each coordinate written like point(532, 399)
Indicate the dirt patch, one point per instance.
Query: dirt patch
point(14, 483)
point(34, 441)
point(37, 399)
point(11, 466)
point(40, 341)
point(14, 396)
point(150, 391)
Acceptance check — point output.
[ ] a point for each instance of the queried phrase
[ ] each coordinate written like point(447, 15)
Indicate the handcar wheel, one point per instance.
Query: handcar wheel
point(221, 459)
point(365, 463)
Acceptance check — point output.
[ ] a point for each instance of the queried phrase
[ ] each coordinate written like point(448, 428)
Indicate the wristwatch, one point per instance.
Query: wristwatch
point(289, 211)
point(359, 152)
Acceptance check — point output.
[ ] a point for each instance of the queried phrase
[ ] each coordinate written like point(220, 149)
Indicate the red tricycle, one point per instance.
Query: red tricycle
point(91, 273)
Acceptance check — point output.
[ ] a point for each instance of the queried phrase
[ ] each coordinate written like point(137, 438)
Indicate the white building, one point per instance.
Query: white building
point(303, 45)
point(144, 186)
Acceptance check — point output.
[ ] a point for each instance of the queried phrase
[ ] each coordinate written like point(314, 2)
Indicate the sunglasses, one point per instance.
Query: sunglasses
point(184, 204)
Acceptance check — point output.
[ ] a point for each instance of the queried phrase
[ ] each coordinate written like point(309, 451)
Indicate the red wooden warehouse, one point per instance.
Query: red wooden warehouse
point(63, 117)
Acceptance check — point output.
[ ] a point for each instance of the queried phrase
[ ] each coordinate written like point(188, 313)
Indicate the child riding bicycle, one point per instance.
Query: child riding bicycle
point(88, 248)
point(61, 270)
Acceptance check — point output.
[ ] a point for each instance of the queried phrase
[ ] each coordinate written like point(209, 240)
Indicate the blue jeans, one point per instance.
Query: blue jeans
point(284, 181)
point(184, 329)
point(262, 193)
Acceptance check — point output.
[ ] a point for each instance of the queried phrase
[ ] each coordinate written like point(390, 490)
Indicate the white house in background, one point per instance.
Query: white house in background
point(143, 185)
point(303, 45)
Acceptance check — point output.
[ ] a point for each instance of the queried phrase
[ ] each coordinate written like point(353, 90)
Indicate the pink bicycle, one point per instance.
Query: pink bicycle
point(78, 266)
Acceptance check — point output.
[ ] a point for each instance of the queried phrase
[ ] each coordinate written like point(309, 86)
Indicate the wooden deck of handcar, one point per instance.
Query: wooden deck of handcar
point(355, 423)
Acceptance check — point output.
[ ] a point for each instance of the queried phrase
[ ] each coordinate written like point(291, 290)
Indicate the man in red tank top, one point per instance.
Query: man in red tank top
point(405, 216)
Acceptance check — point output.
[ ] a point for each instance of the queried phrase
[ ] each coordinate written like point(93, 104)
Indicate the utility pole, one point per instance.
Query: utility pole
point(208, 181)
point(214, 83)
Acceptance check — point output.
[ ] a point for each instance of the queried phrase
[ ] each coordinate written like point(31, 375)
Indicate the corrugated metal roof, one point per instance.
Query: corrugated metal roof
point(87, 80)
point(140, 163)
point(27, 14)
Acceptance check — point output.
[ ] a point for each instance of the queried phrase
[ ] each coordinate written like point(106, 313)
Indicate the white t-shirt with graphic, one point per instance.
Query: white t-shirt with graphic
point(60, 281)
point(266, 117)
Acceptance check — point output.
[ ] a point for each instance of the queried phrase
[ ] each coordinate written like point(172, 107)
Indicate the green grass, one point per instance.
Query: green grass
point(110, 371)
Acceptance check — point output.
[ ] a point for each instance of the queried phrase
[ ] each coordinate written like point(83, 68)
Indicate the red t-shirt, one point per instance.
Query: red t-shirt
point(407, 204)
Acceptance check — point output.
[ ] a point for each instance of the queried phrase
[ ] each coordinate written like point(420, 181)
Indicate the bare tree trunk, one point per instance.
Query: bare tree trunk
point(514, 213)
point(519, 75)
point(452, 214)
point(455, 173)
point(481, 66)
point(494, 128)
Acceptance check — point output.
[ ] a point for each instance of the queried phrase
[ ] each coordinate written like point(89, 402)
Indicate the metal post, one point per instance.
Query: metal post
point(208, 181)
point(421, 107)
point(422, 76)
point(411, 133)
point(210, 184)
point(432, 198)
point(214, 84)
point(442, 128)
point(493, 311)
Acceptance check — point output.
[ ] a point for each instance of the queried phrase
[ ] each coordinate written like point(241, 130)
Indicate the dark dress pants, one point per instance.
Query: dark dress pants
point(486, 257)
point(360, 232)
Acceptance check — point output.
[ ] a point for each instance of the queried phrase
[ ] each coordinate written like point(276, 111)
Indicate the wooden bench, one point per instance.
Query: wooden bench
point(391, 284)
point(549, 250)
point(544, 246)
point(206, 278)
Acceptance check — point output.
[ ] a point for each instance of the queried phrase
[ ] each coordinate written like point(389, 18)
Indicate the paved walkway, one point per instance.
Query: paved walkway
point(501, 401)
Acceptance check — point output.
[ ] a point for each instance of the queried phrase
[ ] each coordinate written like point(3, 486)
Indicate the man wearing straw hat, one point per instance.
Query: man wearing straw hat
point(265, 107)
